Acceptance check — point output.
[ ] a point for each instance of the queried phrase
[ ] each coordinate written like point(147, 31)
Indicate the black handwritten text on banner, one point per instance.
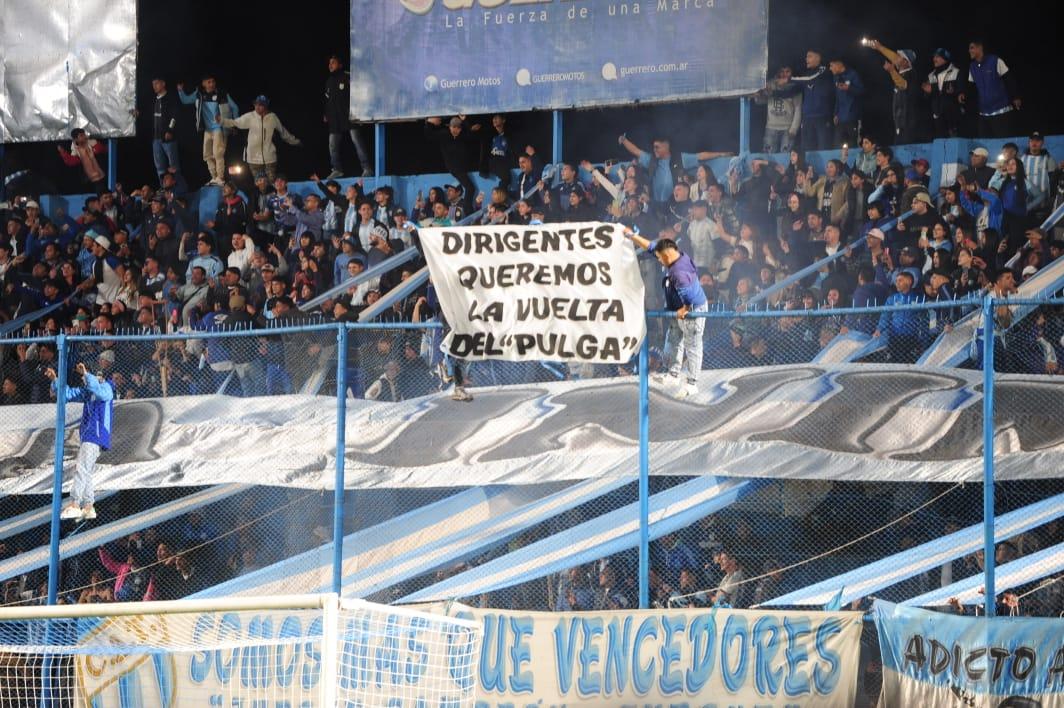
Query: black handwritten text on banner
point(556, 292)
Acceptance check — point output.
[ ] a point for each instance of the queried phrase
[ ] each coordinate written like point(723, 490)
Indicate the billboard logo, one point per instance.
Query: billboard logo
point(524, 77)
point(431, 83)
point(609, 71)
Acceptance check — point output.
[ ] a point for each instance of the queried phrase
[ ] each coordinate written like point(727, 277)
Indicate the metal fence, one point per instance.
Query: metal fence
point(718, 494)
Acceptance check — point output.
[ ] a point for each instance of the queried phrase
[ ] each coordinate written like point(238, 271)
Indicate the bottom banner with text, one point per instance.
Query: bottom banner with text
point(941, 659)
point(710, 657)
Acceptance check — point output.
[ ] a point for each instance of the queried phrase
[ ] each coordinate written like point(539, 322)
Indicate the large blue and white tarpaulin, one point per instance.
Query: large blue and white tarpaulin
point(933, 659)
point(412, 58)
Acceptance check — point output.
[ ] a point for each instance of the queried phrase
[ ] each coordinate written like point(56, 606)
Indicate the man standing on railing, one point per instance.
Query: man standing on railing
point(683, 295)
point(97, 415)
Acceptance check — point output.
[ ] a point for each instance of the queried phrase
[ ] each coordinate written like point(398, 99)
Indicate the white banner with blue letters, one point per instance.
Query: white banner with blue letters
point(937, 659)
point(709, 658)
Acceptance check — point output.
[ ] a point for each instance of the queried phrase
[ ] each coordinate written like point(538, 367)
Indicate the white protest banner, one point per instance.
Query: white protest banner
point(710, 658)
point(555, 292)
point(941, 659)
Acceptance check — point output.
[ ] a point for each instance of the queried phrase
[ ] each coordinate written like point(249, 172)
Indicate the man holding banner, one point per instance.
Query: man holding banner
point(683, 295)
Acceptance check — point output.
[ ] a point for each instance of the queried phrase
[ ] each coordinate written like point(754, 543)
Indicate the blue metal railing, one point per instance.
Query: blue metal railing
point(64, 344)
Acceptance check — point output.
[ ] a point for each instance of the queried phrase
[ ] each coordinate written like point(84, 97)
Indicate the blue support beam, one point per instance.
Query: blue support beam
point(341, 446)
point(988, 453)
point(744, 125)
point(378, 149)
point(57, 467)
point(112, 163)
point(558, 135)
point(644, 474)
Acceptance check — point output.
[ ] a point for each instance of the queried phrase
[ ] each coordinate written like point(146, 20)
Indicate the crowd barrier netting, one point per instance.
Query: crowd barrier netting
point(781, 479)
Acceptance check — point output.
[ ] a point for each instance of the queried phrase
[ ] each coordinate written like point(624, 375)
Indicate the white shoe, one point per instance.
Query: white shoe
point(367, 172)
point(88, 512)
point(216, 182)
point(686, 391)
point(664, 380)
point(72, 512)
point(460, 394)
point(335, 174)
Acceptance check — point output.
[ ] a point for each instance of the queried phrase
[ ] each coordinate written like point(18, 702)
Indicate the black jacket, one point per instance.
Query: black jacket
point(164, 116)
point(337, 101)
point(455, 151)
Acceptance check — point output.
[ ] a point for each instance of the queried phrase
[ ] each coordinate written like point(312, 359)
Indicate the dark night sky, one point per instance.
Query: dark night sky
point(280, 49)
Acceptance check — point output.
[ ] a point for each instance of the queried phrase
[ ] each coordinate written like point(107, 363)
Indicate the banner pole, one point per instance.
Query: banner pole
point(988, 454)
point(341, 446)
point(644, 475)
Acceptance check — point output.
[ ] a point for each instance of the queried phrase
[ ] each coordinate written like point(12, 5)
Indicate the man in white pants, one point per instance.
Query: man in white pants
point(684, 296)
point(97, 415)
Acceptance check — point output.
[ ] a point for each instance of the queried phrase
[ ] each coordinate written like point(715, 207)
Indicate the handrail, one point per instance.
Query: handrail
point(396, 294)
point(817, 265)
point(388, 264)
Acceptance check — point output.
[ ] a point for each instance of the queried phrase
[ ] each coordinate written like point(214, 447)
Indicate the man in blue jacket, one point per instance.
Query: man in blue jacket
point(683, 295)
point(903, 328)
point(818, 102)
point(848, 91)
point(97, 415)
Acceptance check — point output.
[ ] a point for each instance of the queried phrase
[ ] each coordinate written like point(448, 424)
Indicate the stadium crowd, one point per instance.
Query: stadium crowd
point(139, 261)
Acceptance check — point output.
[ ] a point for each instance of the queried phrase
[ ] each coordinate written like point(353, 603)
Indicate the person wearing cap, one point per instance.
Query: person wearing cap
point(347, 251)
point(918, 225)
point(943, 90)
point(455, 143)
point(337, 117)
point(83, 152)
point(104, 278)
point(902, 329)
point(978, 170)
point(261, 124)
point(995, 90)
point(455, 203)
point(403, 230)
point(96, 394)
point(212, 107)
point(164, 128)
point(906, 91)
point(683, 296)
point(1038, 164)
point(922, 168)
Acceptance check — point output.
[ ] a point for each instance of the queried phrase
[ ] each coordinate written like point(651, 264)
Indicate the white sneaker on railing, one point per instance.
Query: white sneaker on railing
point(686, 391)
point(460, 394)
point(88, 512)
point(72, 512)
point(335, 174)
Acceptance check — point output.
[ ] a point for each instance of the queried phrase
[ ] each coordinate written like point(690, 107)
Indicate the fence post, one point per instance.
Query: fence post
point(341, 444)
point(557, 137)
point(644, 475)
point(57, 469)
point(112, 163)
point(378, 150)
point(988, 454)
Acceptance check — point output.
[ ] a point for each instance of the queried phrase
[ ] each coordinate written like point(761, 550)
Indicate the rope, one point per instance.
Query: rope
point(825, 554)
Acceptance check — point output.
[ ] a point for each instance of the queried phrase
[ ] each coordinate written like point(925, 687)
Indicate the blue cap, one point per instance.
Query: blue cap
point(263, 100)
point(912, 175)
point(944, 53)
